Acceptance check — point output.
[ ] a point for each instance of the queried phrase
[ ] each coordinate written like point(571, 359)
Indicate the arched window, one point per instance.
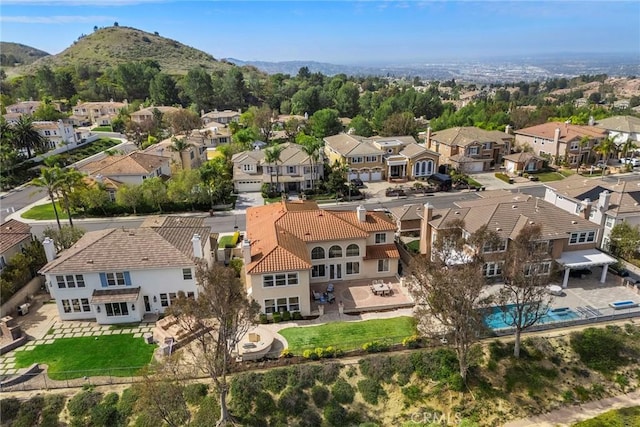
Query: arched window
point(423, 168)
point(416, 169)
point(335, 251)
point(429, 167)
point(353, 250)
point(317, 253)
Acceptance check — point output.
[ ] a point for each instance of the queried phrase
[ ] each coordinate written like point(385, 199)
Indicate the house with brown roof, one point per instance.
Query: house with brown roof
point(119, 275)
point(96, 113)
point(14, 237)
point(621, 128)
point(293, 173)
point(290, 246)
point(469, 149)
point(408, 218)
point(395, 158)
point(604, 202)
point(561, 142)
point(522, 162)
point(224, 117)
point(569, 241)
point(146, 114)
point(132, 168)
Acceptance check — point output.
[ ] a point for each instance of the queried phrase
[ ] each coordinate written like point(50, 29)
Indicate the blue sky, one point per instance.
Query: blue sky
point(341, 32)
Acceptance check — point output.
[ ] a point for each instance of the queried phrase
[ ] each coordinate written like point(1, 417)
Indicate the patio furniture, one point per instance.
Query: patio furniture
point(555, 290)
point(330, 287)
point(330, 297)
point(316, 295)
point(381, 289)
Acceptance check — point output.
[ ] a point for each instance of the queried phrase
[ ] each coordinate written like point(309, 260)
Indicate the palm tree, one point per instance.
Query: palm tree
point(311, 148)
point(24, 136)
point(48, 180)
point(272, 156)
point(628, 145)
point(605, 148)
point(180, 146)
point(68, 181)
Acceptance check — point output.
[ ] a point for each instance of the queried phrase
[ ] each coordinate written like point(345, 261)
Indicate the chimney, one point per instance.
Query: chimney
point(425, 230)
point(427, 139)
point(604, 200)
point(586, 208)
point(556, 136)
point(49, 249)
point(99, 178)
point(361, 212)
point(592, 121)
point(507, 129)
point(201, 113)
point(197, 247)
point(246, 251)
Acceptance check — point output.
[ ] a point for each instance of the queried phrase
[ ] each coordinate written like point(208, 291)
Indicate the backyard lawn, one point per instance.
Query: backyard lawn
point(67, 358)
point(45, 212)
point(349, 335)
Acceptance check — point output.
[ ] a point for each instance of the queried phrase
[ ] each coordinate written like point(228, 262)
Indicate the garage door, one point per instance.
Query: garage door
point(353, 174)
point(248, 186)
point(376, 176)
point(365, 176)
point(474, 167)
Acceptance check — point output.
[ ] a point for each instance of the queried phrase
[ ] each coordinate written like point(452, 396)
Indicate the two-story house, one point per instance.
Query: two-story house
point(469, 149)
point(604, 203)
point(147, 114)
point(223, 117)
point(291, 245)
point(621, 129)
point(132, 168)
point(96, 113)
point(292, 173)
point(14, 237)
point(118, 275)
point(365, 160)
point(560, 142)
point(57, 134)
point(570, 241)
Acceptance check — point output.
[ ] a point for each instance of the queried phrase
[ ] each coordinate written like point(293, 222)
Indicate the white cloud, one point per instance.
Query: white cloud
point(64, 19)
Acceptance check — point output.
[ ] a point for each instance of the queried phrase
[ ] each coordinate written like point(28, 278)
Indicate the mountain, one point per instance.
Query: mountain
point(292, 67)
point(16, 53)
point(115, 45)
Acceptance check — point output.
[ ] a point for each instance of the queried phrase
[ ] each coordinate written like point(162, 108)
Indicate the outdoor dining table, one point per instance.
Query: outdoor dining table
point(381, 288)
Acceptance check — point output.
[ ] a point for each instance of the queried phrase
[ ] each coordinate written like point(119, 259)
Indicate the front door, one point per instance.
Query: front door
point(147, 306)
point(335, 271)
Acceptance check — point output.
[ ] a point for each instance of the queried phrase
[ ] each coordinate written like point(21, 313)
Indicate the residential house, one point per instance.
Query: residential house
point(132, 168)
point(603, 202)
point(23, 107)
point(569, 241)
point(14, 237)
point(621, 129)
point(408, 218)
point(396, 158)
point(146, 114)
point(58, 134)
point(522, 162)
point(96, 113)
point(469, 149)
point(291, 245)
point(292, 173)
point(214, 134)
point(223, 117)
point(119, 275)
point(561, 142)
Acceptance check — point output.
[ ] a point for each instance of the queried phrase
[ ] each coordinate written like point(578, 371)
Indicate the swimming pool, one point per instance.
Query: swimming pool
point(494, 318)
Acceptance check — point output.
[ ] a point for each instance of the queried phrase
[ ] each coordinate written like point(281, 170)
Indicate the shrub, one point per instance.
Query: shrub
point(81, 403)
point(582, 393)
point(296, 315)
point(29, 412)
point(127, 401)
point(286, 353)
point(378, 368)
point(502, 176)
point(413, 341)
point(370, 390)
point(568, 396)
point(275, 380)
point(320, 395)
point(208, 410)
point(264, 404)
point(599, 349)
point(342, 391)
point(329, 373)
point(375, 347)
point(236, 264)
point(437, 364)
point(310, 354)
point(195, 393)
point(286, 316)
point(302, 376)
point(262, 319)
point(335, 414)
point(621, 380)
point(412, 394)
point(293, 400)
point(9, 408)
point(277, 317)
point(244, 387)
point(455, 381)
point(310, 418)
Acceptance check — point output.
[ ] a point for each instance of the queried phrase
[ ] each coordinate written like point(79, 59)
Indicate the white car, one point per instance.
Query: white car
point(634, 162)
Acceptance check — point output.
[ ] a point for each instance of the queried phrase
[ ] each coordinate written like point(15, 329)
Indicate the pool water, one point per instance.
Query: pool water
point(494, 319)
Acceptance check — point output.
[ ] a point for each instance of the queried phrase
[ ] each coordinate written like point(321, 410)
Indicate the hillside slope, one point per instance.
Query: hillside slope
point(21, 54)
point(115, 45)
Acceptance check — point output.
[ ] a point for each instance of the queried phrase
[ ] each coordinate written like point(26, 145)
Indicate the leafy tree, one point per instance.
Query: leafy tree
point(130, 195)
point(64, 237)
point(183, 187)
point(154, 191)
point(524, 298)
point(293, 127)
point(216, 179)
point(163, 90)
point(449, 287)
point(220, 316)
point(337, 180)
point(135, 78)
point(347, 99)
point(361, 126)
point(260, 119)
point(93, 196)
point(625, 240)
point(272, 157)
point(606, 147)
point(399, 124)
point(233, 88)
point(245, 137)
point(49, 180)
point(47, 111)
point(183, 121)
point(198, 88)
point(325, 123)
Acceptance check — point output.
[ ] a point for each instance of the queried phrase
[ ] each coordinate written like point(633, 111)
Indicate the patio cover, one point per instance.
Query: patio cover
point(101, 296)
point(586, 258)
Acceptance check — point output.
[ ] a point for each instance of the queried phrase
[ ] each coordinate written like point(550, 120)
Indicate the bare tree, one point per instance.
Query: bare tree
point(524, 298)
point(220, 316)
point(449, 287)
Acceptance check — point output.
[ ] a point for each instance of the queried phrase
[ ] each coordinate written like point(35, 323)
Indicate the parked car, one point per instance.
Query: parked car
point(619, 270)
point(357, 182)
point(580, 272)
point(633, 161)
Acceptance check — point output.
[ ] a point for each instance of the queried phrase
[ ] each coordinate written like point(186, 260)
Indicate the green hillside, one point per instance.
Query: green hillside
point(18, 54)
point(115, 45)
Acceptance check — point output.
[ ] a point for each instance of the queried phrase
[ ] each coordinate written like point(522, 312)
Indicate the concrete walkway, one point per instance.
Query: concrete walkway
point(572, 414)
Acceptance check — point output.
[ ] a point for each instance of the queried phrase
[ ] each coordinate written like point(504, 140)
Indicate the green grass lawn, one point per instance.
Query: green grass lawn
point(614, 418)
point(550, 176)
point(349, 335)
point(102, 129)
point(45, 212)
point(67, 358)
point(414, 246)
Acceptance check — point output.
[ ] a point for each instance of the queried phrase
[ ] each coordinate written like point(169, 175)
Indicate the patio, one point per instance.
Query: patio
point(356, 296)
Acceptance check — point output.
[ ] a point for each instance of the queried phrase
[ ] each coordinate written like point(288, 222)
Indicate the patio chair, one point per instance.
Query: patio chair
point(330, 287)
point(317, 296)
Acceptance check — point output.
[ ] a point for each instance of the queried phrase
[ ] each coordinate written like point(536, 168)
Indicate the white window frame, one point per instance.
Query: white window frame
point(473, 151)
point(380, 238)
point(582, 237)
point(248, 168)
point(500, 247)
point(333, 254)
point(280, 304)
point(356, 160)
point(115, 279)
point(610, 222)
point(314, 253)
point(317, 269)
point(279, 279)
point(164, 300)
point(383, 265)
point(352, 267)
point(187, 274)
point(350, 250)
point(292, 170)
point(492, 269)
point(70, 281)
point(122, 309)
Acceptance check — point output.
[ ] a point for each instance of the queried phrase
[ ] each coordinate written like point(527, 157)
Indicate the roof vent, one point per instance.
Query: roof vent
point(574, 222)
point(531, 222)
point(498, 229)
point(514, 206)
point(145, 258)
point(90, 261)
point(457, 213)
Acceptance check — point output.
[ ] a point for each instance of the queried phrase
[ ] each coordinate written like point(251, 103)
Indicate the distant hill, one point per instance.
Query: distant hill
point(115, 45)
point(12, 54)
point(292, 67)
